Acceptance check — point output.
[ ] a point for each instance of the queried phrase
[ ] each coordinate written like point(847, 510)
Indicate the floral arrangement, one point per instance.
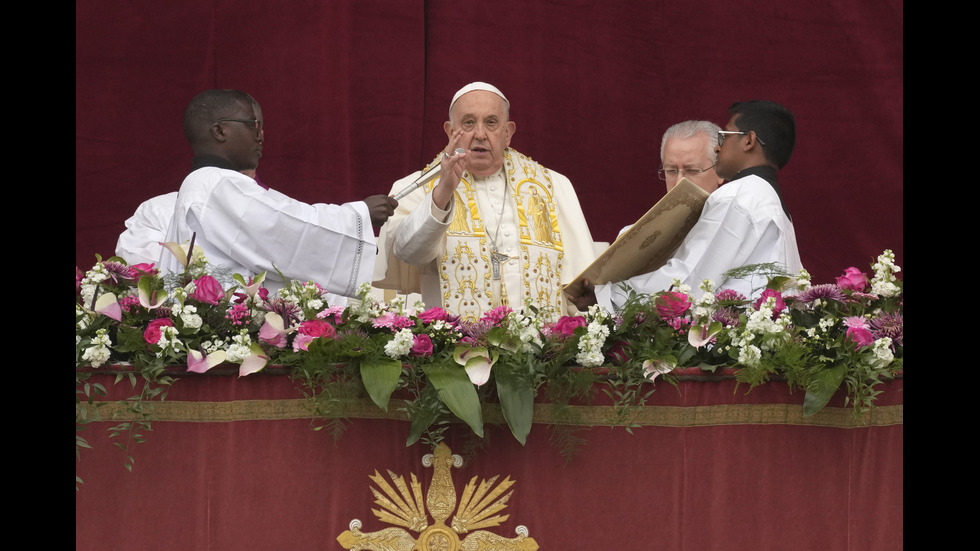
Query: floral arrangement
point(437, 368)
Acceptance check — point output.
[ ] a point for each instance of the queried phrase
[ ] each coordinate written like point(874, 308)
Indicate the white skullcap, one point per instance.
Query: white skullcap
point(473, 86)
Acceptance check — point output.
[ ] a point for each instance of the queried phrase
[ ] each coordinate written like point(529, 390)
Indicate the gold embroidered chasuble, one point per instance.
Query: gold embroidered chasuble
point(503, 243)
point(478, 271)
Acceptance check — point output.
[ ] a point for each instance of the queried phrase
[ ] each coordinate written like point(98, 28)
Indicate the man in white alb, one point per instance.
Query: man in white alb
point(495, 229)
point(249, 229)
point(745, 222)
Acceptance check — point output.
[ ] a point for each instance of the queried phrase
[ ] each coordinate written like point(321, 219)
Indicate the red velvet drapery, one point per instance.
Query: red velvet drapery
point(233, 464)
point(354, 94)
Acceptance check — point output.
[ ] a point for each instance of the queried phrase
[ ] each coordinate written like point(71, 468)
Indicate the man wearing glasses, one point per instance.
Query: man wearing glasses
point(687, 150)
point(249, 229)
point(745, 222)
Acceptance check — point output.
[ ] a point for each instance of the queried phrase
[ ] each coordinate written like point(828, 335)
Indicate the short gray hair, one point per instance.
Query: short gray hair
point(689, 129)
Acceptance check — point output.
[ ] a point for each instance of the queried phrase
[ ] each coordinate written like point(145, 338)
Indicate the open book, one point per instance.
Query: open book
point(651, 241)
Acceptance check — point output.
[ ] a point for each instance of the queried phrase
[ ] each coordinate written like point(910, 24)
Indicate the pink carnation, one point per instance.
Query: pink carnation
point(208, 290)
point(853, 279)
point(152, 334)
point(421, 346)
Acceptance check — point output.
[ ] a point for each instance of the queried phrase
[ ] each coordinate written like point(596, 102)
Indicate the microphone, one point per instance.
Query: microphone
point(426, 177)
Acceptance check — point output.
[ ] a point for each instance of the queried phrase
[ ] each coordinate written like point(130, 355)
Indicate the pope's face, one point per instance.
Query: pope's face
point(482, 116)
point(684, 155)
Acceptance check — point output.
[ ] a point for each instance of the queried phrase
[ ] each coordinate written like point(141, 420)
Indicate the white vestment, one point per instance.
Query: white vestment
point(525, 216)
point(145, 229)
point(250, 230)
point(743, 223)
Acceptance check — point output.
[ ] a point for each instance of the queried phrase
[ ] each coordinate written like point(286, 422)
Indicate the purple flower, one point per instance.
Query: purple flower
point(727, 316)
point(888, 325)
point(827, 291)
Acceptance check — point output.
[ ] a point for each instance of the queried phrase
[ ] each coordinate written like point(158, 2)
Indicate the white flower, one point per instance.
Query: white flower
point(188, 315)
point(98, 353)
point(401, 344)
point(883, 283)
point(882, 349)
point(749, 356)
point(590, 345)
point(803, 279)
point(240, 348)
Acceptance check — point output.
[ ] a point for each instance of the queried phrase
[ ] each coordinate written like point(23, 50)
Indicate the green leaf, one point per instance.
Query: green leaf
point(822, 388)
point(458, 393)
point(380, 377)
point(517, 404)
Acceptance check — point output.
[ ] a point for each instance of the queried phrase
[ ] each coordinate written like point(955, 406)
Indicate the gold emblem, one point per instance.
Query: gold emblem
point(403, 507)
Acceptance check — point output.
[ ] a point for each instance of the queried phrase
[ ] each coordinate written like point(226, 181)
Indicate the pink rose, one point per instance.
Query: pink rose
point(207, 289)
point(434, 314)
point(672, 305)
point(421, 346)
point(853, 279)
point(144, 269)
point(566, 325)
point(777, 307)
point(860, 336)
point(152, 333)
point(317, 328)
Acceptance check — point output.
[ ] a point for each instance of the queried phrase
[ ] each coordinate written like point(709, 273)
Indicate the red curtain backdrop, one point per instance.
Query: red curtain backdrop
point(354, 94)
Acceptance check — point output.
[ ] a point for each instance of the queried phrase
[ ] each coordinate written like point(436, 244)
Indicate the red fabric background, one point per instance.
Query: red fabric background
point(355, 92)
point(260, 485)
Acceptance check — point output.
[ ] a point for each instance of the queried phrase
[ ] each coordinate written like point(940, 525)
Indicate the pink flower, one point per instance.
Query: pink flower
point(778, 305)
point(336, 311)
point(566, 325)
point(312, 329)
point(302, 342)
point(392, 321)
point(853, 279)
point(152, 333)
point(495, 316)
point(207, 289)
point(144, 269)
point(859, 331)
point(421, 346)
point(672, 305)
point(860, 336)
point(317, 328)
point(434, 314)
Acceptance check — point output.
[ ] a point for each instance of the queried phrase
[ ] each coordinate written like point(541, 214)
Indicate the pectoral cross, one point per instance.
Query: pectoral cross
point(495, 260)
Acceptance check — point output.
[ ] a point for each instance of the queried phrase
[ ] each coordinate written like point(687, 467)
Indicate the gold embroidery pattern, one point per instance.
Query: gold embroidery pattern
point(402, 506)
point(540, 242)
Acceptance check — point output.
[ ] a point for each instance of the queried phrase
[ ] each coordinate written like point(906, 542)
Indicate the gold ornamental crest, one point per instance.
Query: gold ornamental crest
point(403, 507)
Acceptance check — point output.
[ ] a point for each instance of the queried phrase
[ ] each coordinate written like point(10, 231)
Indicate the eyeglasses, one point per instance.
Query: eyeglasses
point(665, 173)
point(723, 133)
point(254, 124)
